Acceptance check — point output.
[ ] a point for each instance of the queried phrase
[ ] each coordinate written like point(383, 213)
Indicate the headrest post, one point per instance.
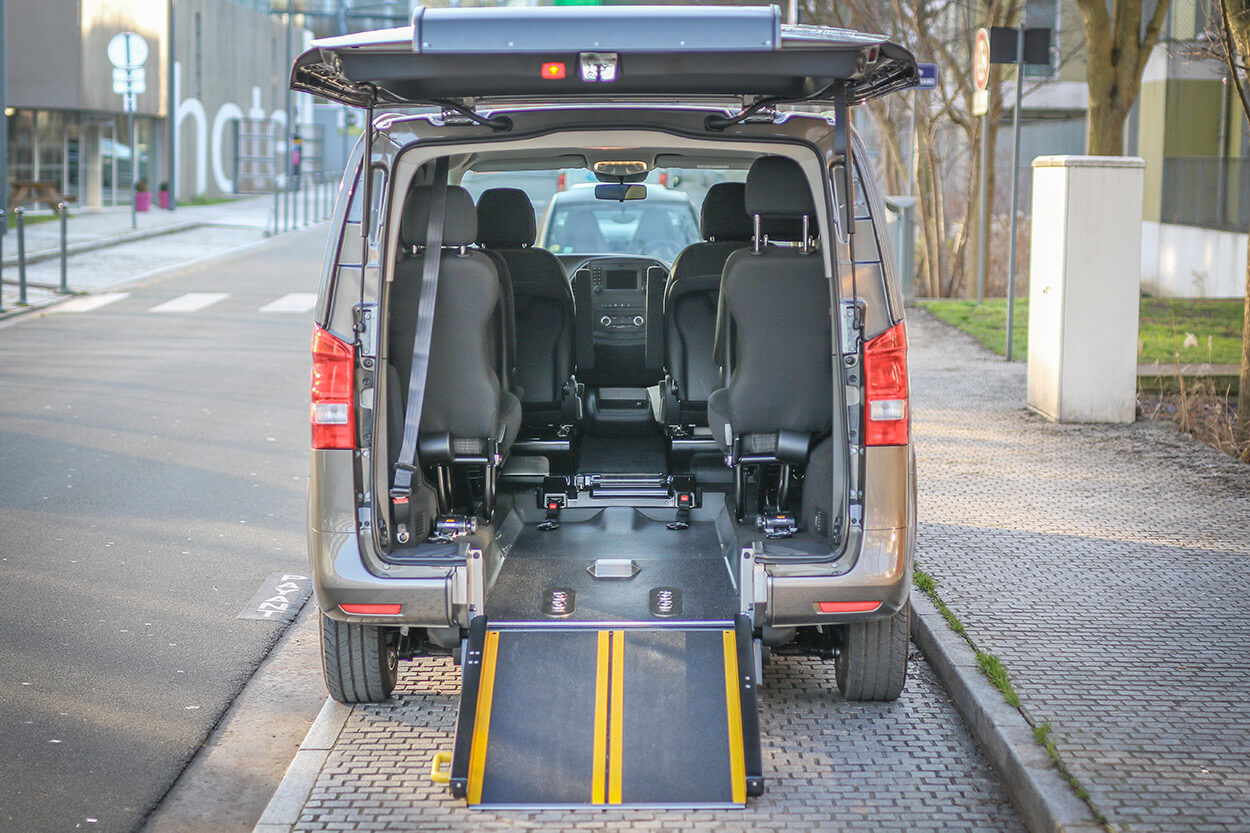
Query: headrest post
point(806, 235)
point(755, 237)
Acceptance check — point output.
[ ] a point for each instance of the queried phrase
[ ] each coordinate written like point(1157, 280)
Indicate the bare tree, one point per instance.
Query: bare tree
point(948, 145)
point(1116, 51)
point(1235, 38)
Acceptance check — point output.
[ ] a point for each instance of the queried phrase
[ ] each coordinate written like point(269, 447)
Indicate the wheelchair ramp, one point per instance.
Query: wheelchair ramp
point(631, 716)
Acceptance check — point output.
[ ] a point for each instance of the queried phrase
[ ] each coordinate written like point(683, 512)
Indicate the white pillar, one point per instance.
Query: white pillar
point(1084, 287)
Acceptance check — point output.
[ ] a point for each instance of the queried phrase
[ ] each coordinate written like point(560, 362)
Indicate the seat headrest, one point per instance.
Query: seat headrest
point(724, 214)
point(777, 187)
point(459, 220)
point(505, 219)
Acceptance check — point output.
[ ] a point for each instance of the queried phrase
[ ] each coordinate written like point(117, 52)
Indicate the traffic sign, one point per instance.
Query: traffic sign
point(132, 80)
point(127, 49)
point(981, 60)
point(928, 76)
point(129, 103)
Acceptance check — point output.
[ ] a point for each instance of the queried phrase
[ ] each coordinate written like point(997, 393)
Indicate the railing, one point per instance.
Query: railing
point(1211, 192)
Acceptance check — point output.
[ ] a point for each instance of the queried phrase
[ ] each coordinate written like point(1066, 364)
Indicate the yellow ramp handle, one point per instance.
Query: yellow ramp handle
point(438, 774)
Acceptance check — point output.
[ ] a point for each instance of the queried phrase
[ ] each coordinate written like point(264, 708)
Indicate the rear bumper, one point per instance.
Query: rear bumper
point(340, 577)
point(882, 573)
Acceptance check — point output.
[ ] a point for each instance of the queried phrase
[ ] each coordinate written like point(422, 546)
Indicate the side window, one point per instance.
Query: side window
point(860, 263)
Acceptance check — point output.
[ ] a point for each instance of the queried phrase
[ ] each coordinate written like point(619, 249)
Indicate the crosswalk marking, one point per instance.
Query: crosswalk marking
point(293, 302)
point(90, 302)
point(191, 302)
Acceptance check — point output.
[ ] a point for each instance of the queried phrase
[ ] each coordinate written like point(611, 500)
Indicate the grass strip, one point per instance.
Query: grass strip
point(996, 673)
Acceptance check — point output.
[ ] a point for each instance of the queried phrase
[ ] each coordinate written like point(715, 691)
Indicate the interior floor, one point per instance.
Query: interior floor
point(681, 574)
point(623, 455)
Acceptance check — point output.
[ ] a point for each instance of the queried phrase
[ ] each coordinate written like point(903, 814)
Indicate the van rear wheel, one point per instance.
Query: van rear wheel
point(360, 662)
point(872, 661)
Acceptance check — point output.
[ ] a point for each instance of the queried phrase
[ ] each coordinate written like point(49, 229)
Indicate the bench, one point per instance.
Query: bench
point(21, 193)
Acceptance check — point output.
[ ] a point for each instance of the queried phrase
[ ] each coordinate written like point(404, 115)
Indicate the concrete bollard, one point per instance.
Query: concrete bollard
point(1084, 287)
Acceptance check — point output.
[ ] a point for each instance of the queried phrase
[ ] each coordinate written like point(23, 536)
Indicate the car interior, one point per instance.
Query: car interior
point(617, 407)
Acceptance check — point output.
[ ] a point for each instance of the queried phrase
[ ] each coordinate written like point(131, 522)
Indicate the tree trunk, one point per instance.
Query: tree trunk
point(1106, 128)
point(1243, 394)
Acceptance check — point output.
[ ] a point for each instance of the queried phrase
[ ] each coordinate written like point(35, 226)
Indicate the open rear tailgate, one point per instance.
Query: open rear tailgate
point(614, 53)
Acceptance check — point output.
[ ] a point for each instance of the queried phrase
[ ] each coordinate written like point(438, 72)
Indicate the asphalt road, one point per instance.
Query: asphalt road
point(154, 466)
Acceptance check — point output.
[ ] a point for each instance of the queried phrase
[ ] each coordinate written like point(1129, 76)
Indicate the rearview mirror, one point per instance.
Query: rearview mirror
point(621, 192)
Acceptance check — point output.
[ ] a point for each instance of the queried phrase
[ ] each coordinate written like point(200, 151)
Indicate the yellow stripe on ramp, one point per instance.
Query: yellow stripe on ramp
point(481, 721)
point(599, 771)
point(733, 704)
point(616, 735)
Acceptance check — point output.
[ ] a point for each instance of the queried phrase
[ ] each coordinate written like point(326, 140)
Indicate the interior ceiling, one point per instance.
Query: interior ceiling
point(586, 157)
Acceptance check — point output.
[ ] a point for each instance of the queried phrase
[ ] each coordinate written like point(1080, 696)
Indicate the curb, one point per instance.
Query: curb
point(102, 243)
point(297, 783)
point(1042, 796)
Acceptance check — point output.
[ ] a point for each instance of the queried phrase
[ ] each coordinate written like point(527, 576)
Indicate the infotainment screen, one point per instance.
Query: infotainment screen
point(620, 279)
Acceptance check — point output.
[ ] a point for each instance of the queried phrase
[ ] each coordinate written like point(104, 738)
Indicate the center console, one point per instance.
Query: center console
point(610, 296)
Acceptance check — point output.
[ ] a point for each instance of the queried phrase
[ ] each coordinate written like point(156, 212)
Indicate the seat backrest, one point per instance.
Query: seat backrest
point(691, 298)
point(542, 299)
point(463, 387)
point(773, 328)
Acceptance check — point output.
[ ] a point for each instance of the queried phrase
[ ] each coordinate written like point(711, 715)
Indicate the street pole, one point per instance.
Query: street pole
point(984, 207)
point(134, 171)
point(907, 258)
point(4, 130)
point(171, 106)
point(286, 200)
point(1015, 177)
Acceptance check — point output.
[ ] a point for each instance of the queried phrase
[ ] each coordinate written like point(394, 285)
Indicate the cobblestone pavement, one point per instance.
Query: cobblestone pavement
point(1107, 568)
point(831, 765)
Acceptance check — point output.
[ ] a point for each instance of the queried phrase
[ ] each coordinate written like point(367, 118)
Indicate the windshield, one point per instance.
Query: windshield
point(649, 227)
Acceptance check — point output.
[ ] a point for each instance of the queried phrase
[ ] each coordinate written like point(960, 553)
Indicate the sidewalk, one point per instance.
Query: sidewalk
point(1106, 567)
point(104, 250)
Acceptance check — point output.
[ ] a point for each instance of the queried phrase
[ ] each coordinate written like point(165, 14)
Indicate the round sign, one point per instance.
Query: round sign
point(128, 49)
point(981, 60)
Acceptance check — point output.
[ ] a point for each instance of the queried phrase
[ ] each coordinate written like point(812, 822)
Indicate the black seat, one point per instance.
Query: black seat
point(542, 304)
point(691, 297)
point(773, 332)
point(468, 416)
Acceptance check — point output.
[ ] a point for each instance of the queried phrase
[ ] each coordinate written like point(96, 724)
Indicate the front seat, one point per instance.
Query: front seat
point(542, 304)
point(691, 298)
point(468, 418)
point(773, 332)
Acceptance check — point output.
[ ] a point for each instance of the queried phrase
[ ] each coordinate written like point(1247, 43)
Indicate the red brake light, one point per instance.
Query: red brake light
point(553, 70)
point(561, 182)
point(664, 177)
point(848, 607)
point(331, 413)
point(371, 610)
point(885, 389)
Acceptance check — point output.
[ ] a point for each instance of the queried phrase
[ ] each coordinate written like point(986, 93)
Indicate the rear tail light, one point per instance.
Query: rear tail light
point(885, 389)
point(664, 177)
point(371, 610)
point(561, 182)
point(332, 415)
point(848, 607)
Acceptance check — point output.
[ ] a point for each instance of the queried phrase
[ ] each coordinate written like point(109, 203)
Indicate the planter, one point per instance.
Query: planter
point(162, 199)
point(143, 200)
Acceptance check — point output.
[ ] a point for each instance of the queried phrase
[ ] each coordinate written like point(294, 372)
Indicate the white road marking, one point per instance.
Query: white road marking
point(89, 302)
point(293, 302)
point(191, 302)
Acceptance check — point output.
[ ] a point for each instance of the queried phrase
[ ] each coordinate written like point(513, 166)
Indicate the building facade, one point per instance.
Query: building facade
point(66, 125)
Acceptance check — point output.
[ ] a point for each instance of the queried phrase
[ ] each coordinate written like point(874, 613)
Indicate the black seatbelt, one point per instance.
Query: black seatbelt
point(406, 463)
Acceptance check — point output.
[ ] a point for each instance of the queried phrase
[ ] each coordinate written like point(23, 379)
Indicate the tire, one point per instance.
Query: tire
point(872, 662)
point(360, 662)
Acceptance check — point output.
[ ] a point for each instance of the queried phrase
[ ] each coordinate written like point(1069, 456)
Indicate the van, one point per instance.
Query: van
point(609, 477)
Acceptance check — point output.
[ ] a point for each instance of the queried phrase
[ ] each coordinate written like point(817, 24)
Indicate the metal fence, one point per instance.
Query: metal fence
point(1210, 192)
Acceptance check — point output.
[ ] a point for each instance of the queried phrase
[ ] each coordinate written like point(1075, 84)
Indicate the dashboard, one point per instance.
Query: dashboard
point(610, 295)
